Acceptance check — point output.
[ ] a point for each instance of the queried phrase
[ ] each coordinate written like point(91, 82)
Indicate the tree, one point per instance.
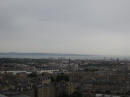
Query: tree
point(64, 95)
point(33, 75)
point(62, 77)
point(76, 94)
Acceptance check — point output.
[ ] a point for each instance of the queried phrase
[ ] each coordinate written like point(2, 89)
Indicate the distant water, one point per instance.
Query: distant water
point(48, 55)
point(56, 56)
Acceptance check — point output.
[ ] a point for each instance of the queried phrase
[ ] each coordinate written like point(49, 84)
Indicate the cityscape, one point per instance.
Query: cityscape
point(64, 77)
point(64, 48)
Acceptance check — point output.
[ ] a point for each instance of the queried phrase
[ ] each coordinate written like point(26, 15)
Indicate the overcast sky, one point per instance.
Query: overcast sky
point(65, 26)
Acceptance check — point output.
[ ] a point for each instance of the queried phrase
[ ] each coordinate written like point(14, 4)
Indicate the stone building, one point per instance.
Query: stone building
point(54, 89)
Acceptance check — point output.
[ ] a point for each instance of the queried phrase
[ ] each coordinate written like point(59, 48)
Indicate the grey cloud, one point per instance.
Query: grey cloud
point(77, 26)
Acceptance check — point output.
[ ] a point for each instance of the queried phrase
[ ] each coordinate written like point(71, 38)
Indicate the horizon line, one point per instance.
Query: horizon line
point(62, 53)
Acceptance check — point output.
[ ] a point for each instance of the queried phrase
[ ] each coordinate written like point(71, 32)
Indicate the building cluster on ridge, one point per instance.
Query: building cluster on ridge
point(64, 78)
